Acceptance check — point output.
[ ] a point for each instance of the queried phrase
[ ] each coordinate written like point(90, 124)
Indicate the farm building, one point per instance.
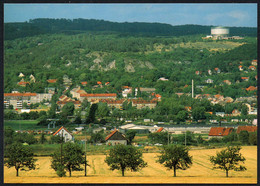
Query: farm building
point(115, 138)
point(219, 132)
point(246, 128)
point(67, 136)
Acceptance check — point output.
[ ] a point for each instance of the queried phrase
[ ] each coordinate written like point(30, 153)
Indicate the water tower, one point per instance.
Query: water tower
point(219, 32)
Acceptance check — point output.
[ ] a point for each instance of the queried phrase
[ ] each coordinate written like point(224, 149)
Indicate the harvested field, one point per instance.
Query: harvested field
point(200, 172)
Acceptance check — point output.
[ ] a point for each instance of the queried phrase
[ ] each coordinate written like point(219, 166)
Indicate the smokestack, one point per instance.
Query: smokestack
point(192, 89)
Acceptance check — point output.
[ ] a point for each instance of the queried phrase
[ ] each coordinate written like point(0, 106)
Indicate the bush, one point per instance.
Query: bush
point(214, 140)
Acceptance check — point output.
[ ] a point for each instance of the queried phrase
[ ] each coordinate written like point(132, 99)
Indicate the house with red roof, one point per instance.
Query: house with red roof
point(251, 88)
point(115, 138)
point(254, 62)
point(236, 112)
point(217, 70)
point(240, 67)
point(52, 80)
point(246, 128)
point(252, 68)
point(84, 83)
point(245, 78)
point(161, 129)
point(65, 134)
point(227, 82)
point(219, 132)
point(198, 72)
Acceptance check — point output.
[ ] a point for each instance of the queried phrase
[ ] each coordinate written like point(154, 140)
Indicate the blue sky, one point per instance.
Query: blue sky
point(235, 14)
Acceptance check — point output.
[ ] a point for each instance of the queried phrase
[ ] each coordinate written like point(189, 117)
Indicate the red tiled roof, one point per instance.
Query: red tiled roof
point(251, 88)
point(23, 83)
point(84, 83)
point(158, 95)
point(19, 94)
point(111, 134)
point(123, 87)
point(98, 95)
point(244, 77)
point(99, 82)
point(52, 80)
point(60, 130)
point(252, 67)
point(160, 129)
point(246, 128)
point(255, 60)
point(217, 96)
point(216, 69)
point(106, 83)
point(219, 131)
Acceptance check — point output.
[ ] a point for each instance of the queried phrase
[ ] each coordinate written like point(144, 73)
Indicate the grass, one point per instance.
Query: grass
point(22, 124)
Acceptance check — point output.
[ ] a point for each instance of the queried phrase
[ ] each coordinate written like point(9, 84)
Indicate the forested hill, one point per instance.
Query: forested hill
point(50, 26)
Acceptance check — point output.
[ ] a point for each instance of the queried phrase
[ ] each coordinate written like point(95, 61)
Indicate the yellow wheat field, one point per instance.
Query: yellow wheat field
point(200, 172)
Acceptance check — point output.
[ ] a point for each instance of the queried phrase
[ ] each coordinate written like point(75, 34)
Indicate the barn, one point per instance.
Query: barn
point(115, 138)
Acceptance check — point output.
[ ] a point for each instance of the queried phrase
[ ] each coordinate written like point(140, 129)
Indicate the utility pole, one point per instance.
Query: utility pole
point(85, 152)
point(168, 136)
point(61, 147)
point(192, 89)
point(185, 136)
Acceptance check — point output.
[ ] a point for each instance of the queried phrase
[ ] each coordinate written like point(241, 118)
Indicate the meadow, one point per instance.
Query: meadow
point(98, 172)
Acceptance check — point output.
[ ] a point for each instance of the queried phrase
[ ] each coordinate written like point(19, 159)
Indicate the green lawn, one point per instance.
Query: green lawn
point(22, 124)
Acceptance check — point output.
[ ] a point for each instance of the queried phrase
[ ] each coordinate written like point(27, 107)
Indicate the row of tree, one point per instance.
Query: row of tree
point(121, 157)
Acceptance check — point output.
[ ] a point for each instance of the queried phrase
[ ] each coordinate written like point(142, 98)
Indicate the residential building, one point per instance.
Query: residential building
point(219, 132)
point(198, 72)
point(245, 78)
point(246, 128)
point(75, 92)
point(148, 90)
point(126, 90)
point(65, 134)
point(163, 79)
point(115, 138)
point(17, 99)
point(52, 80)
point(251, 88)
point(254, 62)
point(21, 75)
point(236, 112)
point(140, 103)
point(114, 103)
point(240, 67)
point(217, 70)
point(227, 82)
point(209, 72)
point(84, 83)
point(252, 68)
point(90, 97)
point(209, 81)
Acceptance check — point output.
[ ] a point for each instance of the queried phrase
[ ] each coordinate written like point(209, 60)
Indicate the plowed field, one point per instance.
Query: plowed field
point(200, 172)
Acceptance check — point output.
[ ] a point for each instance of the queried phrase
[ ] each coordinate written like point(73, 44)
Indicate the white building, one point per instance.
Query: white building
point(63, 132)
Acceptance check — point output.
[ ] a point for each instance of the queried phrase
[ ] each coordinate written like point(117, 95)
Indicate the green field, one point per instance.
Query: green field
point(22, 124)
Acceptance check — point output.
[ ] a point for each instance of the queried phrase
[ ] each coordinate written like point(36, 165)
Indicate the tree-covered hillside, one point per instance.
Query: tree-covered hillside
point(135, 61)
point(75, 26)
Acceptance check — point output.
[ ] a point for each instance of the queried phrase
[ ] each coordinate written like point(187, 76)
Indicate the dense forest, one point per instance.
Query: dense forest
point(75, 26)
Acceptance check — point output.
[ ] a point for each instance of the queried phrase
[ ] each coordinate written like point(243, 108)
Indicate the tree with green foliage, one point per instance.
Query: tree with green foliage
point(198, 113)
point(68, 109)
point(71, 160)
point(253, 138)
point(42, 139)
point(97, 137)
point(158, 137)
point(243, 137)
point(20, 157)
point(130, 135)
point(228, 159)
point(124, 157)
point(175, 157)
point(92, 114)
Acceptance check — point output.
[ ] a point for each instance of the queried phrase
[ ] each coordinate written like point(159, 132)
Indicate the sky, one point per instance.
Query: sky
point(235, 14)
